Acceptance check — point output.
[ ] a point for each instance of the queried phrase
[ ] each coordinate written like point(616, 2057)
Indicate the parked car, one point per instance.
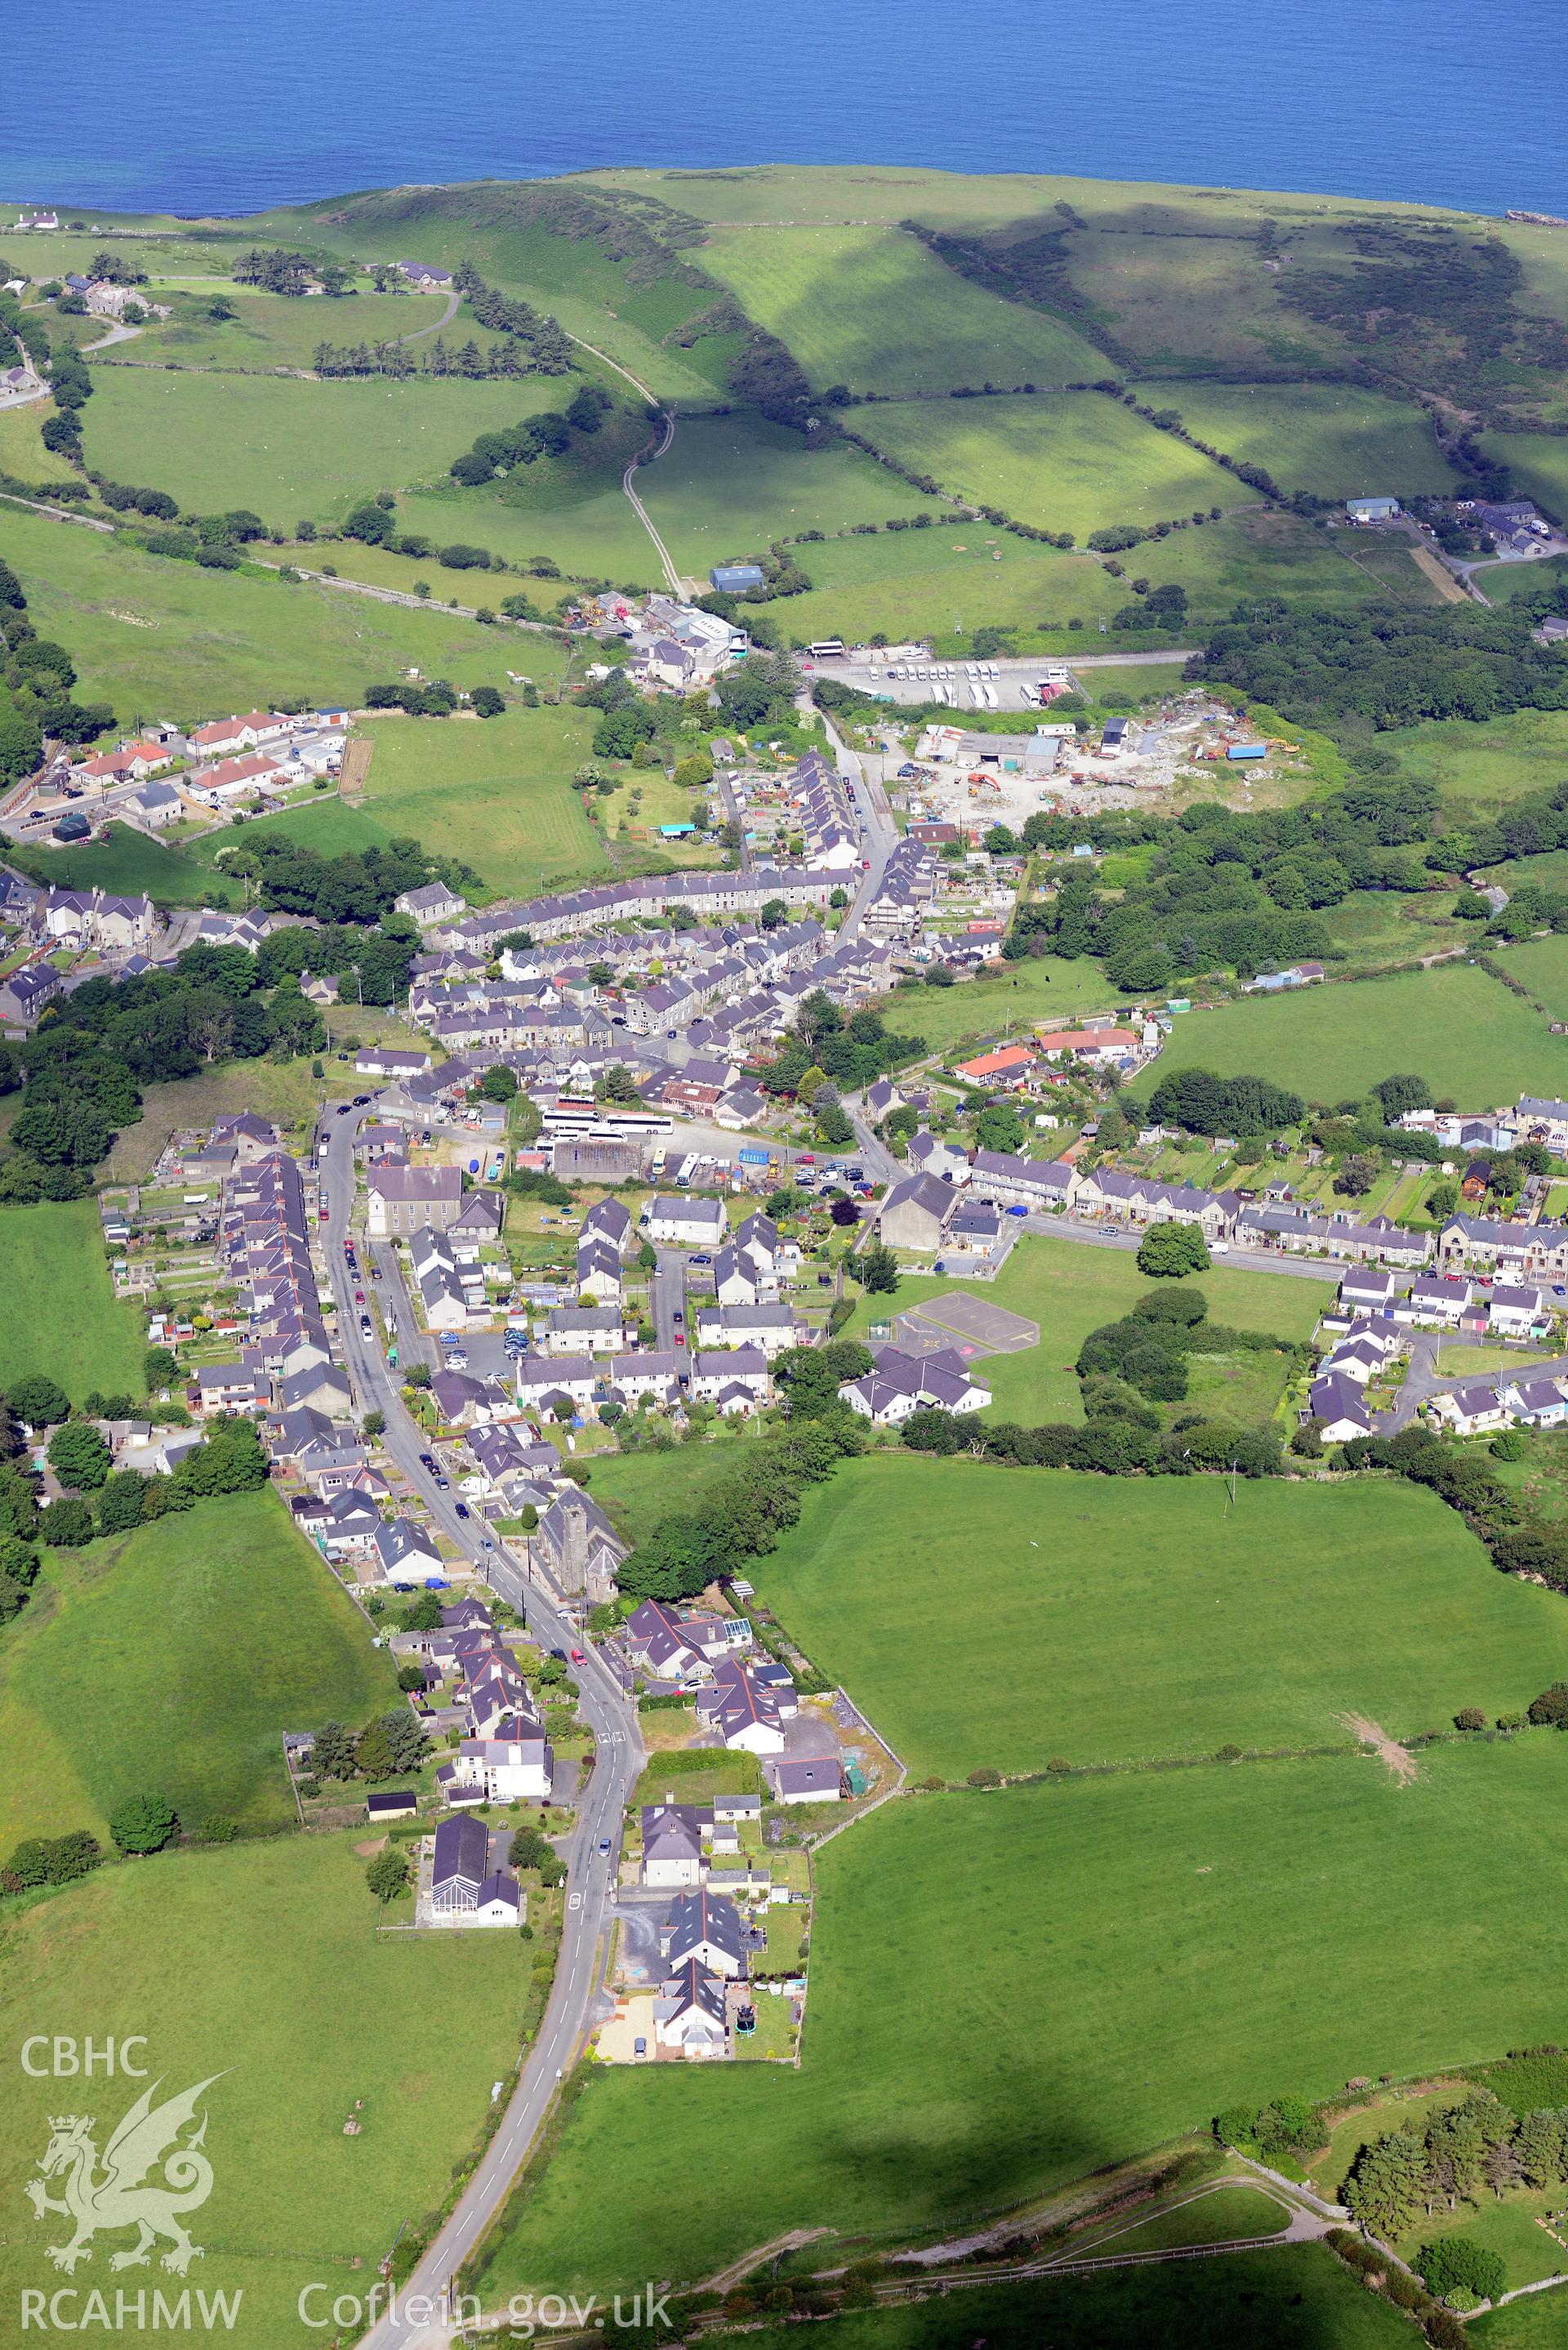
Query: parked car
point(427, 1460)
point(604, 1843)
point(559, 1655)
point(462, 1509)
point(443, 1481)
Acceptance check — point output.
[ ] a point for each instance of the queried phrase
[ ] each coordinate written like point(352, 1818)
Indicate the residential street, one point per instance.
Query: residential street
point(601, 1805)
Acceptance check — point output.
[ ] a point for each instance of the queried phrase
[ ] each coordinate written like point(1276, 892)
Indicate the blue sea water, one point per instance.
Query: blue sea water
point(231, 105)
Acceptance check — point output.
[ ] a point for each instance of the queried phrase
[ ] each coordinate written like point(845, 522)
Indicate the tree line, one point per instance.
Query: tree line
point(1353, 675)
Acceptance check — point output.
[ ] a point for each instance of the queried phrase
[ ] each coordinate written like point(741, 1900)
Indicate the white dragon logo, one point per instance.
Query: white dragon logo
point(144, 2139)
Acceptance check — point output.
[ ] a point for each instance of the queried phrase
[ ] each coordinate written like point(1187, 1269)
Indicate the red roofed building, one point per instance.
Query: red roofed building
point(1011, 1062)
point(228, 735)
point(1092, 1044)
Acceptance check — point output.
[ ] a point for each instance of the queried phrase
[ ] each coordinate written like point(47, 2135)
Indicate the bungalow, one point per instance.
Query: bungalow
point(809, 1779)
point(405, 1551)
point(899, 1384)
point(681, 1219)
point(464, 1401)
point(689, 2013)
point(1099, 1046)
point(744, 1711)
point(1335, 1403)
point(381, 1061)
point(424, 276)
point(1541, 1402)
point(1468, 1412)
point(1009, 1066)
point(464, 1889)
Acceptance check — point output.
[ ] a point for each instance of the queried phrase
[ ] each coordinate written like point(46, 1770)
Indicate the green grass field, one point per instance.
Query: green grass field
point(494, 792)
point(1010, 1990)
point(22, 451)
point(1045, 988)
point(1538, 2322)
point(1064, 461)
point(1184, 303)
point(1332, 439)
point(1296, 2298)
point(1069, 1289)
point(1107, 1618)
point(163, 639)
point(173, 1659)
point(1225, 2216)
point(127, 860)
point(261, 1964)
point(947, 583)
point(1453, 1025)
point(1539, 464)
point(1541, 965)
point(638, 1489)
point(288, 448)
point(330, 826)
point(919, 583)
point(273, 330)
point(871, 307)
point(730, 484)
point(1480, 767)
point(58, 1313)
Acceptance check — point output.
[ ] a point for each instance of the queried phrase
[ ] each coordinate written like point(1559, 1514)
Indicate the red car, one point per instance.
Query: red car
point(358, 1297)
point(578, 1658)
point(681, 1337)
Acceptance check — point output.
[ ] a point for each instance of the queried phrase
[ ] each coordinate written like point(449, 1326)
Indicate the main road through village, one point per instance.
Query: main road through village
point(590, 1878)
point(619, 1754)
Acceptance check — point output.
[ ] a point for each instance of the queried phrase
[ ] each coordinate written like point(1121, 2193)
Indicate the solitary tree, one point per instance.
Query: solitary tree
point(879, 1269)
point(1169, 1251)
point(143, 1823)
point(388, 1875)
